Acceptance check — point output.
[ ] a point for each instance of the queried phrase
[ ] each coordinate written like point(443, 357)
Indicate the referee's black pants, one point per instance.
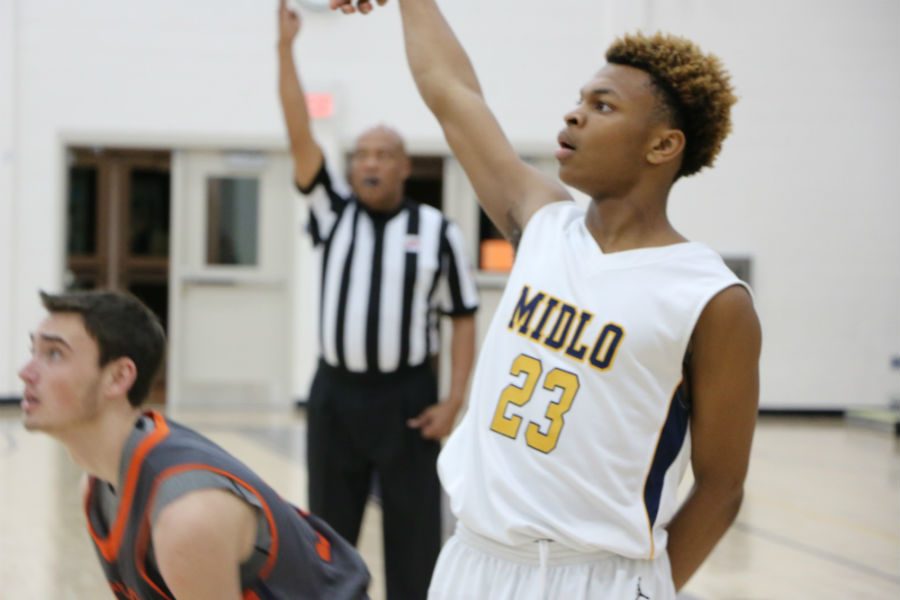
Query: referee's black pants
point(357, 427)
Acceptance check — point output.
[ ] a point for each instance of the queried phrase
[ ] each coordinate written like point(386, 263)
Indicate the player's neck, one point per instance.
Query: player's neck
point(97, 445)
point(631, 222)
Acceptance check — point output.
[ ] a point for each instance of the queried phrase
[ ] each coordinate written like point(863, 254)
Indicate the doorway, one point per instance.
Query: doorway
point(232, 254)
point(118, 227)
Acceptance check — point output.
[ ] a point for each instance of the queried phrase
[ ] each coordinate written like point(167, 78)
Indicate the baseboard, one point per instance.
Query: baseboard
point(802, 412)
point(879, 419)
point(10, 400)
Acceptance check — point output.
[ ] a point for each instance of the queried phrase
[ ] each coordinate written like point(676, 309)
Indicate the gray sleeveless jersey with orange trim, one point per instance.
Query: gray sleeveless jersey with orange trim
point(306, 558)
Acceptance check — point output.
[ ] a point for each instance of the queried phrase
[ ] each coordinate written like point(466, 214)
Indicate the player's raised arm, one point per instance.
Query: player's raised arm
point(305, 151)
point(508, 189)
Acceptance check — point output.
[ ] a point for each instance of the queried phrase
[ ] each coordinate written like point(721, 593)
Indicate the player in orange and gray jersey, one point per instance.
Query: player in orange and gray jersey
point(171, 514)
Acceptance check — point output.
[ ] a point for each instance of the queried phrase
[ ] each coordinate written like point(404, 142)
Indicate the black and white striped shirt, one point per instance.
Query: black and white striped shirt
point(385, 278)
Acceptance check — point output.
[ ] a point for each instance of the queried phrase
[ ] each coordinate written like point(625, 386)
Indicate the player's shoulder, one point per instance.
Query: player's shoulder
point(199, 515)
point(700, 259)
point(729, 330)
point(552, 219)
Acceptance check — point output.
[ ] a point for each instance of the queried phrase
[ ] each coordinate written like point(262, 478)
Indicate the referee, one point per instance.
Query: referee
point(389, 266)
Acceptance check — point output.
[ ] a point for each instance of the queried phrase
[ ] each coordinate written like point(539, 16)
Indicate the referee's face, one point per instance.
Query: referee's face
point(378, 168)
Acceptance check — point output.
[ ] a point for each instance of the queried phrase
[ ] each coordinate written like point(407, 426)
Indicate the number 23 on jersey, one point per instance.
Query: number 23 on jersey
point(556, 379)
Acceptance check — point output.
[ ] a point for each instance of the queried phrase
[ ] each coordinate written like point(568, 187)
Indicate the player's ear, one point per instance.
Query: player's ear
point(121, 374)
point(665, 146)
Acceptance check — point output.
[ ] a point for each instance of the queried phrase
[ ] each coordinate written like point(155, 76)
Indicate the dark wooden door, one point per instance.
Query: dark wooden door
point(119, 215)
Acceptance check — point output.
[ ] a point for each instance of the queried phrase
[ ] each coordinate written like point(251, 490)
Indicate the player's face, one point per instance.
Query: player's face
point(378, 169)
point(603, 147)
point(62, 378)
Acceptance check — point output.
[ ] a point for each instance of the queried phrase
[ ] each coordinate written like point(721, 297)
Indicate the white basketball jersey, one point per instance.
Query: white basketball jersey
point(577, 427)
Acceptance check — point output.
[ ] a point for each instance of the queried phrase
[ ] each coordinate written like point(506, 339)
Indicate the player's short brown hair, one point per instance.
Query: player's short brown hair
point(694, 88)
point(122, 326)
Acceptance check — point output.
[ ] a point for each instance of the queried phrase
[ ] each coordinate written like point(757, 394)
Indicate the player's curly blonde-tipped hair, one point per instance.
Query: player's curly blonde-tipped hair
point(695, 88)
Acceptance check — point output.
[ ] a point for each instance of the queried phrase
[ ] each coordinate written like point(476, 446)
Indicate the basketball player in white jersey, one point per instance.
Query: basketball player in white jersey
point(619, 352)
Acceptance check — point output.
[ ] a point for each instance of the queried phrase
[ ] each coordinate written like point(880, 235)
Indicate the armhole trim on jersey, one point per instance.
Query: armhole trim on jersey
point(109, 545)
point(669, 442)
point(704, 302)
point(142, 542)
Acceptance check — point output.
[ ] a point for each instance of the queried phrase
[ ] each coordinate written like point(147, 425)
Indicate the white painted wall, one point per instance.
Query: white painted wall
point(807, 185)
point(8, 98)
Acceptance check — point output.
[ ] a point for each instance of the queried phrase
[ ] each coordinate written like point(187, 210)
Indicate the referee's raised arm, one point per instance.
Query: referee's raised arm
point(390, 268)
point(305, 150)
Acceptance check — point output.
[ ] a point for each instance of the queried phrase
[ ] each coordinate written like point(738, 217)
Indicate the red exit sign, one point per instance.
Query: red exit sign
point(320, 105)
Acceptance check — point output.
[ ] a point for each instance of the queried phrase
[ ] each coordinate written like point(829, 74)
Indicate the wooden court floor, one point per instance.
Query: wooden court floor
point(820, 520)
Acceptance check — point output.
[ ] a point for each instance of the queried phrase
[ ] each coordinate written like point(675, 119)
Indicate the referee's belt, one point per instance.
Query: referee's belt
point(378, 376)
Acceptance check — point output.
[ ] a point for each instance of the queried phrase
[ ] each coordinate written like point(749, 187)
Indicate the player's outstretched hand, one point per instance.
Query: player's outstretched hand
point(288, 23)
point(348, 7)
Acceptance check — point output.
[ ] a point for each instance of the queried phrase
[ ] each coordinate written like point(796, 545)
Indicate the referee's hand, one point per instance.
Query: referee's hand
point(436, 421)
point(288, 23)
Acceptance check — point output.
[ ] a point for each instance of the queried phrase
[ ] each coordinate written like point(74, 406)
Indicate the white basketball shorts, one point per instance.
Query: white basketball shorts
point(472, 567)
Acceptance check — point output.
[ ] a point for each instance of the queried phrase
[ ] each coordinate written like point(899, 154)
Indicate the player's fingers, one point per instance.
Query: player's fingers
point(365, 7)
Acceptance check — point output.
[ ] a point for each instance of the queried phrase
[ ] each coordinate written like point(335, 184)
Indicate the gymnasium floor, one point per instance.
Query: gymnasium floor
point(821, 516)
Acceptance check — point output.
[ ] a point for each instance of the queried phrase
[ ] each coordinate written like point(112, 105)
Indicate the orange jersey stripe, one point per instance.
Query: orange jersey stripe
point(109, 546)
